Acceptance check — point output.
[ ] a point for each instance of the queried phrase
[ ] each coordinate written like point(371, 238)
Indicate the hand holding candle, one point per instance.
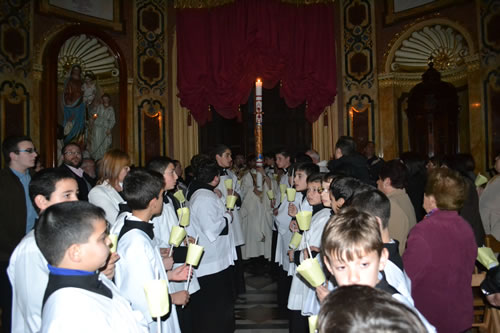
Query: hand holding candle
point(231, 201)
point(311, 271)
point(304, 219)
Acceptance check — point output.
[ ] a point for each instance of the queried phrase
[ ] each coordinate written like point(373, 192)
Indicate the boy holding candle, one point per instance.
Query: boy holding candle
point(163, 224)
point(140, 259)
point(28, 272)
point(354, 254)
point(311, 241)
point(213, 304)
point(300, 173)
point(77, 299)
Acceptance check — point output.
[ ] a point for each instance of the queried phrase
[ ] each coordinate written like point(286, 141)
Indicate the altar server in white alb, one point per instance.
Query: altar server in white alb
point(28, 271)
point(140, 258)
point(222, 155)
point(163, 225)
point(311, 240)
point(73, 238)
point(213, 305)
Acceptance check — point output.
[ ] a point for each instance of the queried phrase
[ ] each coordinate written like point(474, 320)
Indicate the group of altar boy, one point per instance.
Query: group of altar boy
point(72, 282)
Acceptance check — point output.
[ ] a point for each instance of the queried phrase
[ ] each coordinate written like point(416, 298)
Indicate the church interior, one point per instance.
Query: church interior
point(360, 74)
point(176, 77)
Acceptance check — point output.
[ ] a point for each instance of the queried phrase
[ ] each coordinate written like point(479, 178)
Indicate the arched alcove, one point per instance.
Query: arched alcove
point(48, 87)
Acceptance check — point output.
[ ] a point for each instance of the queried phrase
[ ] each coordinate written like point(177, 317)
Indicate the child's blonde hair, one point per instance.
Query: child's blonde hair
point(350, 234)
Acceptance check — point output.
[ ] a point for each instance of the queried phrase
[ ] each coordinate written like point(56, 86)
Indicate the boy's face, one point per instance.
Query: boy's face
point(300, 180)
point(325, 195)
point(360, 271)
point(225, 159)
point(313, 195)
point(170, 177)
point(95, 252)
point(65, 190)
point(282, 161)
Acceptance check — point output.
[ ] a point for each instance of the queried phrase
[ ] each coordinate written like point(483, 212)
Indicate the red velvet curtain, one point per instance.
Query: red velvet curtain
point(222, 50)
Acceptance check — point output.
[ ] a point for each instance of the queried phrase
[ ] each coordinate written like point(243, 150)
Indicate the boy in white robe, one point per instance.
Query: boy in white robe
point(213, 304)
point(73, 238)
point(27, 271)
point(354, 254)
point(301, 171)
point(140, 258)
point(163, 225)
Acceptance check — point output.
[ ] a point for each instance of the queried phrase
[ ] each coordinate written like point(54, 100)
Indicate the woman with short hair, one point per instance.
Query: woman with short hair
point(440, 255)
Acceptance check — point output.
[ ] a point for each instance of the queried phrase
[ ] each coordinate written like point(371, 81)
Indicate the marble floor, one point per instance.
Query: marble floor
point(256, 311)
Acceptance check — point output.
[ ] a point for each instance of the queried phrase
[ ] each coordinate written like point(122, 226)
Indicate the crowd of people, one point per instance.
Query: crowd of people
point(397, 240)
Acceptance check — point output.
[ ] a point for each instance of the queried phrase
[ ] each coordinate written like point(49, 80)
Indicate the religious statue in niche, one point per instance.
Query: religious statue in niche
point(73, 106)
point(102, 121)
point(88, 83)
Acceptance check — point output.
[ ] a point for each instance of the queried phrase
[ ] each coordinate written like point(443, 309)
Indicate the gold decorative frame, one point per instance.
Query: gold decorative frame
point(392, 17)
point(114, 24)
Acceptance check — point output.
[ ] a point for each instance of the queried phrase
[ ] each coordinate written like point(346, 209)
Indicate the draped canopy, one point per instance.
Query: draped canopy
point(222, 50)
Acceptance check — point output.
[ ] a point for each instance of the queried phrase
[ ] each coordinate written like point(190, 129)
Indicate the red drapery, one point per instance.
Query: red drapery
point(221, 52)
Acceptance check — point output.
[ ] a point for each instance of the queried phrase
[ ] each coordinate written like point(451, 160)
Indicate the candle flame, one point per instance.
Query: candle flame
point(258, 80)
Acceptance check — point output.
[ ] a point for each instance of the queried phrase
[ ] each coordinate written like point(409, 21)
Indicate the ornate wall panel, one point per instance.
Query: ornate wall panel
point(15, 50)
point(150, 75)
point(14, 109)
point(360, 85)
point(490, 51)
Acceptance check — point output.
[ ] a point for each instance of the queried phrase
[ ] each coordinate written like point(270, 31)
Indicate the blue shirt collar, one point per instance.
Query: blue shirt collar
point(67, 271)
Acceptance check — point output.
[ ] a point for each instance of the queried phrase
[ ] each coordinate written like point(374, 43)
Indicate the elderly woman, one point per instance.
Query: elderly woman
point(440, 255)
point(113, 168)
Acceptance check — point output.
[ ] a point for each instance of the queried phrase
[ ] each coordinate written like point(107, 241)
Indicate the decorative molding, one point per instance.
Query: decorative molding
point(91, 54)
point(15, 34)
point(407, 32)
point(441, 43)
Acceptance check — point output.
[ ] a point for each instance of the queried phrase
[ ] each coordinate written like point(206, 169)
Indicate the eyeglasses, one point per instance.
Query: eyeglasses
point(28, 150)
point(77, 153)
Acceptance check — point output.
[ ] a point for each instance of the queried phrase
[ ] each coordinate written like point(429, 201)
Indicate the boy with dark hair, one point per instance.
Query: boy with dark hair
point(77, 299)
point(163, 225)
point(213, 304)
point(311, 238)
point(140, 259)
point(354, 254)
point(365, 309)
point(28, 272)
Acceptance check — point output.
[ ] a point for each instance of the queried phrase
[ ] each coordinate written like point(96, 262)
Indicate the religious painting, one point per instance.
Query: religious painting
point(397, 10)
point(88, 95)
point(105, 13)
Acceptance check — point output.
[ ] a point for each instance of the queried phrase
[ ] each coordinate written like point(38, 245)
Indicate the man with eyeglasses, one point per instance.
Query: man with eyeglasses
point(17, 215)
point(72, 162)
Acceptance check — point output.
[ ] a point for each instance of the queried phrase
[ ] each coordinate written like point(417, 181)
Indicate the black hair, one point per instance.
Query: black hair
point(70, 144)
point(396, 171)
point(284, 152)
point(346, 145)
point(218, 149)
point(329, 177)
point(160, 164)
point(64, 224)
point(195, 162)
point(303, 158)
point(315, 178)
point(44, 183)
point(11, 145)
point(373, 202)
point(414, 162)
point(308, 167)
point(359, 308)
point(176, 163)
point(463, 163)
point(343, 187)
point(270, 154)
point(207, 170)
point(140, 186)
